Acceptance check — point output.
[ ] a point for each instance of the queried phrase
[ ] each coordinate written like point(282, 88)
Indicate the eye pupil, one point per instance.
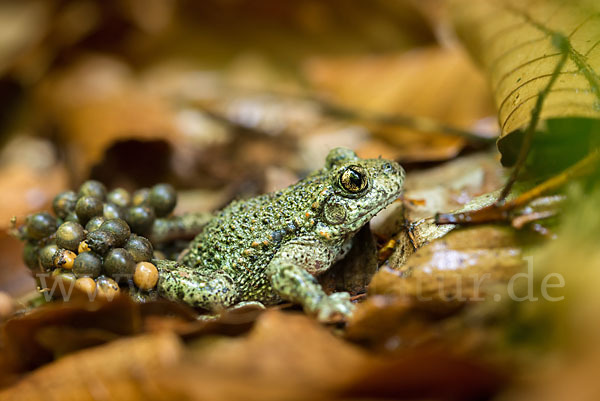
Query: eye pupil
point(353, 179)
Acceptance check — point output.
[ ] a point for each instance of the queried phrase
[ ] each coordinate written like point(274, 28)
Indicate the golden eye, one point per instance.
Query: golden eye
point(353, 179)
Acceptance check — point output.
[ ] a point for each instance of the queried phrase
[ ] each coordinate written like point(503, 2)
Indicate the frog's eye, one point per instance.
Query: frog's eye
point(354, 179)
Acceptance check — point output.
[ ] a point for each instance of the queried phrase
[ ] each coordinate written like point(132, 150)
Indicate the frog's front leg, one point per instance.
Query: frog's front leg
point(290, 278)
point(212, 290)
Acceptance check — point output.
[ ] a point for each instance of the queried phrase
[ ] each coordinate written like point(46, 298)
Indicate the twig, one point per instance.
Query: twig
point(502, 212)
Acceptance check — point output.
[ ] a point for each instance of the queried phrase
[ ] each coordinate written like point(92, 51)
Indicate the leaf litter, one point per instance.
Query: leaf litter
point(434, 318)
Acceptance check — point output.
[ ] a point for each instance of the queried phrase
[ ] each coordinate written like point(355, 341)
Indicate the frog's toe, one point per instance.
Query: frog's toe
point(335, 306)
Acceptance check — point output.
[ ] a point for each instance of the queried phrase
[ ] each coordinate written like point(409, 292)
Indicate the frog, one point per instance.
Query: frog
point(271, 248)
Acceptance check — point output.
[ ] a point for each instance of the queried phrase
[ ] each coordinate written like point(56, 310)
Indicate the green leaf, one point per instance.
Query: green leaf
point(531, 48)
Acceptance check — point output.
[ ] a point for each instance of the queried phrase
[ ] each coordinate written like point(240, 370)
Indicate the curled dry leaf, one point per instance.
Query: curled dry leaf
point(520, 44)
point(33, 338)
point(119, 370)
point(467, 183)
point(286, 356)
point(452, 185)
point(423, 231)
point(551, 327)
point(457, 267)
point(464, 266)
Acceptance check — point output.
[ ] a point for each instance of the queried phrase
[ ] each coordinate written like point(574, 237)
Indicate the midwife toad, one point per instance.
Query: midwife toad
point(271, 247)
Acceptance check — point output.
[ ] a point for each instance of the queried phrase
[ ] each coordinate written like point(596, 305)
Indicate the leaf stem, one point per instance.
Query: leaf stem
point(559, 40)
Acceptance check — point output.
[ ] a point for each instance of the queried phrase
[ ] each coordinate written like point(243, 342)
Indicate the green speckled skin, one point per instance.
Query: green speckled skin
point(270, 247)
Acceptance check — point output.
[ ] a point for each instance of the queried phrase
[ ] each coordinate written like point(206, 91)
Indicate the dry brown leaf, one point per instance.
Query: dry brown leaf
point(441, 84)
point(465, 266)
point(519, 45)
point(25, 345)
point(291, 357)
point(453, 184)
point(465, 183)
point(549, 332)
point(286, 356)
point(456, 267)
point(115, 371)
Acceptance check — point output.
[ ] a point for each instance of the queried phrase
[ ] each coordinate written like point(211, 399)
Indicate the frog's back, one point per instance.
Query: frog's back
point(243, 237)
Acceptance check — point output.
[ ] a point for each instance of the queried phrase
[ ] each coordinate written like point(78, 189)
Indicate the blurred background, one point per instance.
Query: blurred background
point(227, 99)
point(221, 98)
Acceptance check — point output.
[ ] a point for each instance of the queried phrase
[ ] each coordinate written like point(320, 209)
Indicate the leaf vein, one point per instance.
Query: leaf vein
point(585, 21)
point(563, 44)
point(537, 94)
point(525, 64)
point(495, 62)
point(589, 51)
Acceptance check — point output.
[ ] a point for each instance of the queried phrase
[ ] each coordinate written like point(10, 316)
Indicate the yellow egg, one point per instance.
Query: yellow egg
point(145, 276)
point(65, 259)
point(107, 287)
point(86, 284)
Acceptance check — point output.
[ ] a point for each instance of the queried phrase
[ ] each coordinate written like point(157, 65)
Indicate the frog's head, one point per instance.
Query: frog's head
point(357, 190)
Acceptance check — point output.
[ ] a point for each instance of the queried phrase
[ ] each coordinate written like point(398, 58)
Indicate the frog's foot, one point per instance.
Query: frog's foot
point(331, 307)
point(212, 290)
